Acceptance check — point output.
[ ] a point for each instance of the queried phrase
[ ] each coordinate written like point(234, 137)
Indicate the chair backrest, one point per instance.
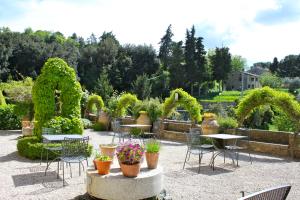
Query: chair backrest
point(116, 126)
point(193, 140)
point(276, 193)
point(75, 147)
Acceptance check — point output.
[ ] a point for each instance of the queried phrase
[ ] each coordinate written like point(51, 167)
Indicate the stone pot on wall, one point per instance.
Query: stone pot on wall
point(104, 119)
point(144, 119)
point(209, 124)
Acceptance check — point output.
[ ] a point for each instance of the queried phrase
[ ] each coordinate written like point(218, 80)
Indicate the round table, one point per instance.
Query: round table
point(115, 186)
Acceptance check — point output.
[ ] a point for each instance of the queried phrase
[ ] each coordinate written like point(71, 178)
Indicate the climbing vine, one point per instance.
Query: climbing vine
point(186, 101)
point(95, 100)
point(124, 102)
point(265, 96)
point(56, 75)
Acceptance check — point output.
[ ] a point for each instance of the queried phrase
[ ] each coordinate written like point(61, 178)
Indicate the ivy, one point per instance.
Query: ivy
point(186, 101)
point(56, 75)
point(124, 102)
point(265, 96)
point(97, 100)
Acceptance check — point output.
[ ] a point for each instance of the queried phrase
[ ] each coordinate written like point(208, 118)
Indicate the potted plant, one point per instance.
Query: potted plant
point(103, 164)
point(130, 155)
point(210, 124)
point(108, 150)
point(152, 153)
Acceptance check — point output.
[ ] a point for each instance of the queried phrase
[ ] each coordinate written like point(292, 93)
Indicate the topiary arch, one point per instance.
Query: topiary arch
point(185, 100)
point(56, 75)
point(95, 100)
point(124, 102)
point(266, 95)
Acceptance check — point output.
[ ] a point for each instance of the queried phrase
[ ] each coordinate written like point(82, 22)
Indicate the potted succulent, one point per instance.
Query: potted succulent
point(103, 164)
point(130, 155)
point(152, 153)
point(108, 150)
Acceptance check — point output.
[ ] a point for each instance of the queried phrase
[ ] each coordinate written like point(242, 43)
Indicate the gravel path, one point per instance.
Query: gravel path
point(21, 178)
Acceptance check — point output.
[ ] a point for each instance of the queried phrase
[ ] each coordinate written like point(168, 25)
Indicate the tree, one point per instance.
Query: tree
point(271, 80)
point(238, 63)
point(177, 69)
point(220, 64)
point(103, 86)
point(274, 65)
point(289, 66)
point(142, 87)
point(165, 47)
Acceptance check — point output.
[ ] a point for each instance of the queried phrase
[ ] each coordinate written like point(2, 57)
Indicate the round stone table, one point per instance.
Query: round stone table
point(115, 186)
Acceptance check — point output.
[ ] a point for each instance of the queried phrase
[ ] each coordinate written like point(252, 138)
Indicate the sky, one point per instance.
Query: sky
point(258, 30)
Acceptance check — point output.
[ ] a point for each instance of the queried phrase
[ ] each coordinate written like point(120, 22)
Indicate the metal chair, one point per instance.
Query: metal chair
point(73, 151)
point(275, 193)
point(235, 148)
point(116, 126)
point(197, 148)
point(48, 131)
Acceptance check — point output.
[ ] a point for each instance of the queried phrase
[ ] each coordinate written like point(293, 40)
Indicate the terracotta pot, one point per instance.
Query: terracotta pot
point(210, 126)
point(145, 120)
point(130, 170)
point(108, 150)
point(152, 160)
point(104, 119)
point(103, 167)
point(95, 164)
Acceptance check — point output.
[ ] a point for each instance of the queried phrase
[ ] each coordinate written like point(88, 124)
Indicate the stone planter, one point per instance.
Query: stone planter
point(152, 160)
point(210, 126)
point(130, 170)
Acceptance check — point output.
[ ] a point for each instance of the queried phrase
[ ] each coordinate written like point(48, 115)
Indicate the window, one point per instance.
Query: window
point(256, 79)
point(252, 86)
point(240, 78)
point(252, 78)
point(248, 86)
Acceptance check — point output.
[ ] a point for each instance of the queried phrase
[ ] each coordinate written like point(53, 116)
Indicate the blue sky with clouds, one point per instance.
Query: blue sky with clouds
point(258, 30)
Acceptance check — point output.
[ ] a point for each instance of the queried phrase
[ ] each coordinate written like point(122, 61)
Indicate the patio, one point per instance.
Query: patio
point(24, 179)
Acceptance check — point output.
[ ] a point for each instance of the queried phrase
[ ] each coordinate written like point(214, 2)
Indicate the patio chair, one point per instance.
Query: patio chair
point(275, 193)
point(195, 147)
point(73, 151)
point(116, 127)
point(47, 147)
point(236, 148)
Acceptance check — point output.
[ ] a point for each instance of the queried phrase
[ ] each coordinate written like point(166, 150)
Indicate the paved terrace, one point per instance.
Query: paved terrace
point(21, 178)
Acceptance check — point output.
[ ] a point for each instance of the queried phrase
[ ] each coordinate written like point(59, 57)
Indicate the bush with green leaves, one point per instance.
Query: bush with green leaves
point(260, 118)
point(8, 119)
point(227, 123)
point(56, 75)
point(282, 122)
point(270, 80)
point(267, 96)
point(2, 99)
point(84, 101)
point(30, 147)
point(95, 100)
point(112, 106)
point(86, 123)
point(186, 101)
point(153, 107)
point(65, 125)
point(99, 126)
point(124, 102)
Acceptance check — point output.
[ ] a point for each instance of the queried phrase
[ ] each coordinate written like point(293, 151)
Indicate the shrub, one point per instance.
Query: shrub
point(8, 119)
point(95, 100)
point(282, 121)
point(152, 106)
point(124, 102)
point(227, 123)
point(99, 127)
point(83, 102)
point(66, 125)
point(56, 75)
point(2, 99)
point(136, 131)
point(30, 147)
point(86, 123)
point(152, 146)
point(270, 80)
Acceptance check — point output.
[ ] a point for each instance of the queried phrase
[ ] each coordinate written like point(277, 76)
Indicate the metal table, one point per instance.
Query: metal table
point(222, 137)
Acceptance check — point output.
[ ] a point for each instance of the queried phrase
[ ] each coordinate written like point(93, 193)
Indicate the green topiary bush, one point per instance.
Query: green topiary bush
point(65, 125)
point(56, 75)
point(124, 102)
point(2, 99)
point(30, 147)
point(97, 100)
point(8, 119)
point(186, 101)
point(152, 106)
point(227, 123)
point(267, 96)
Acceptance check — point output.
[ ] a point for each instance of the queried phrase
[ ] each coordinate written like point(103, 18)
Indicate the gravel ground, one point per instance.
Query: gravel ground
point(21, 178)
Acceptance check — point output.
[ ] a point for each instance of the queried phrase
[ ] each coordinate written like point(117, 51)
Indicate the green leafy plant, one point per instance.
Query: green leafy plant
point(136, 131)
point(65, 125)
point(56, 75)
point(2, 99)
point(227, 123)
point(152, 146)
point(103, 158)
point(124, 102)
point(86, 123)
point(186, 101)
point(99, 127)
point(152, 106)
point(95, 100)
point(8, 119)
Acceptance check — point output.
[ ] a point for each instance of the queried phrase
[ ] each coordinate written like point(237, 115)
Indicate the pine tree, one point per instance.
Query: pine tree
point(165, 47)
point(274, 65)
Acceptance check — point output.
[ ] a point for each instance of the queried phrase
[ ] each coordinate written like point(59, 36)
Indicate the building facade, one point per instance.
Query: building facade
point(242, 81)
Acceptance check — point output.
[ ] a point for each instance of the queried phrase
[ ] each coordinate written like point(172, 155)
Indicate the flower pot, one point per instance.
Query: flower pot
point(104, 119)
point(130, 170)
point(103, 167)
point(108, 150)
point(144, 119)
point(210, 126)
point(152, 160)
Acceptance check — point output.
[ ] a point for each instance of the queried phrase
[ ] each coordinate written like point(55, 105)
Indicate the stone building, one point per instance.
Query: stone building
point(242, 81)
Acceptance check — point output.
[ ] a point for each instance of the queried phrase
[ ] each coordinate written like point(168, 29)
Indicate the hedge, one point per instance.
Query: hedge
point(8, 119)
point(97, 100)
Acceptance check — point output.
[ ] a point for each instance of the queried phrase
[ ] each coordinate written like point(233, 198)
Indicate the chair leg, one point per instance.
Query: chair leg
point(224, 155)
point(47, 159)
point(79, 169)
point(185, 158)
point(200, 158)
point(250, 158)
point(63, 169)
point(237, 158)
point(70, 169)
point(42, 155)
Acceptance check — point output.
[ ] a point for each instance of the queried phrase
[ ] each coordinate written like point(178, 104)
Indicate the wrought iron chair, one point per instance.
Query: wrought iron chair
point(196, 147)
point(116, 126)
point(46, 146)
point(73, 151)
point(275, 193)
point(236, 148)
